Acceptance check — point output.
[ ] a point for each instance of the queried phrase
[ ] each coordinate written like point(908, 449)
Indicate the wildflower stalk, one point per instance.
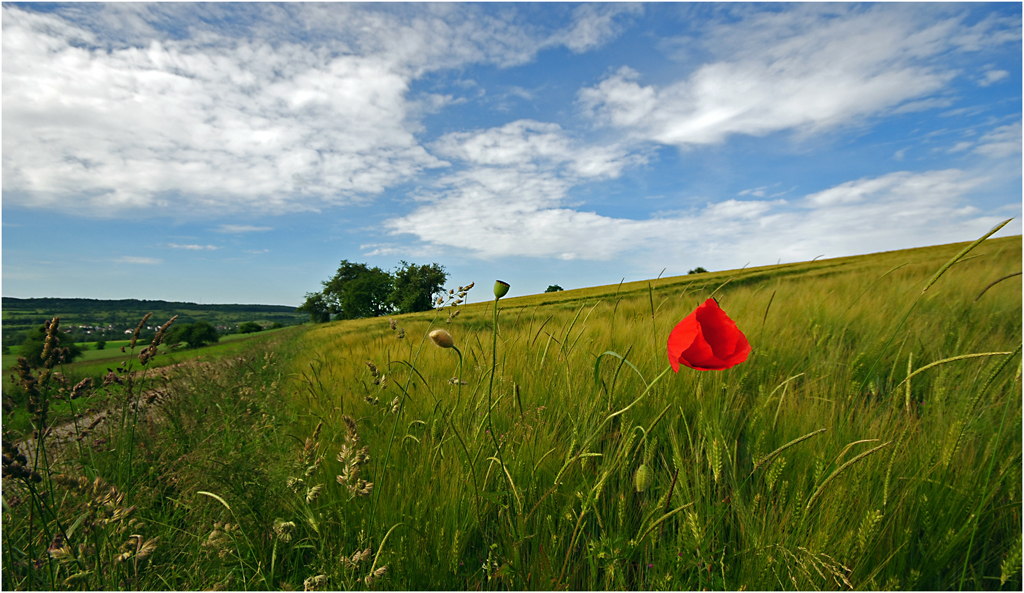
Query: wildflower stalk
point(500, 289)
point(379, 474)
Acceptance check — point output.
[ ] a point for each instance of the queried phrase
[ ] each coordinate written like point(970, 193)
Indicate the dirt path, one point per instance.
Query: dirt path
point(60, 436)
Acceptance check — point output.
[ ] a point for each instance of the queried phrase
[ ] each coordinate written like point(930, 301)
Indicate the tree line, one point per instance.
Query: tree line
point(357, 290)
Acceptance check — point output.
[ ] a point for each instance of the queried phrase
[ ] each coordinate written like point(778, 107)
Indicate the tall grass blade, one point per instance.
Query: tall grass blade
point(984, 290)
point(835, 474)
point(962, 253)
point(943, 361)
point(769, 457)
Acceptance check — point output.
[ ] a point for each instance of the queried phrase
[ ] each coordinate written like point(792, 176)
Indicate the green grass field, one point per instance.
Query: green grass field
point(95, 364)
point(913, 486)
point(872, 440)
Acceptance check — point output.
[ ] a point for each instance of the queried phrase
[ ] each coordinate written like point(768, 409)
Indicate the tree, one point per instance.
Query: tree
point(195, 335)
point(554, 288)
point(32, 347)
point(698, 270)
point(415, 287)
point(316, 306)
point(101, 344)
point(357, 290)
point(249, 327)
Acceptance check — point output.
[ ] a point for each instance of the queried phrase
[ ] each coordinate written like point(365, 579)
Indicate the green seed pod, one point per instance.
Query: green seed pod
point(500, 289)
point(643, 478)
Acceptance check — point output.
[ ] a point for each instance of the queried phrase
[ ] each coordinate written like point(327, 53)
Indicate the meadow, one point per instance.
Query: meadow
point(872, 440)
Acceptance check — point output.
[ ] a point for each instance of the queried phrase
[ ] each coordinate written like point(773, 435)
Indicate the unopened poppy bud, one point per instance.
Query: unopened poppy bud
point(442, 338)
point(500, 289)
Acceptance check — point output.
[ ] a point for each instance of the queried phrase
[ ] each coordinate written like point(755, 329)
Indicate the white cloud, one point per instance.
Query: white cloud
point(242, 228)
point(808, 69)
point(532, 145)
point(131, 259)
point(510, 191)
point(500, 212)
point(993, 76)
point(1004, 141)
point(193, 247)
point(267, 107)
point(594, 25)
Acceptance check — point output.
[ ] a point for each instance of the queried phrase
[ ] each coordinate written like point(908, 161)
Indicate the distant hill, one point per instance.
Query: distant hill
point(92, 319)
point(55, 304)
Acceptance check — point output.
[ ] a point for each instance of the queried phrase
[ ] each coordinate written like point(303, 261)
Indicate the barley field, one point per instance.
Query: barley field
point(871, 440)
point(571, 457)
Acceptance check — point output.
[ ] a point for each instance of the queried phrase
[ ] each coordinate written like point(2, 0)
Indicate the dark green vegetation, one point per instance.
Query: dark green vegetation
point(194, 335)
point(554, 288)
point(356, 291)
point(32, 347)
point(872, 440)
point(110, 319)
point(249, 327)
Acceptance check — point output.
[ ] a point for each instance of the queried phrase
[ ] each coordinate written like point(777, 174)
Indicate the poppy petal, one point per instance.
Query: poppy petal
point(707, 339)
point(681, 337)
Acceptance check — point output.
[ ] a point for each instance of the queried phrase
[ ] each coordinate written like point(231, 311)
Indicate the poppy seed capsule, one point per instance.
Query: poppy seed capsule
point(442, 338)
point(500, 289)
point(643, 478)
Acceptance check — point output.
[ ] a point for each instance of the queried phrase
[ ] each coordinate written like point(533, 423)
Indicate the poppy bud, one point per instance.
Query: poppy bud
point(500, 289)
point(643, 478)
point(707, 340)
point(442, 338)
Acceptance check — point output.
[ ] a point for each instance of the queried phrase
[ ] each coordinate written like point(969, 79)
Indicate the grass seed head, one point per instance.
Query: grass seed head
point(643, 478)
point(135, 335)
point(314, 583)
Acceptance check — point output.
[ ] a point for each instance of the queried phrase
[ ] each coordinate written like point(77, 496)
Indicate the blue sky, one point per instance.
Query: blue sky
point(235, 153)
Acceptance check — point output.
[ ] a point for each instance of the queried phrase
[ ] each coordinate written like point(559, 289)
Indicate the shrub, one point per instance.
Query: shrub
point(249, 327)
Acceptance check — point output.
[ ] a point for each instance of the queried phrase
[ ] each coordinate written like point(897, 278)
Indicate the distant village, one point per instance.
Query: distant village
point(109, 328)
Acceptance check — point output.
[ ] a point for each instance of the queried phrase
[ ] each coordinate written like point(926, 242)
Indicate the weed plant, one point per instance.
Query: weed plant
point(871, 441)
point(136, 497)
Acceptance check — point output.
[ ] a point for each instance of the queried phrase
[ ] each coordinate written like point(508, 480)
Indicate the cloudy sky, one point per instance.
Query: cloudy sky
point(237, 152)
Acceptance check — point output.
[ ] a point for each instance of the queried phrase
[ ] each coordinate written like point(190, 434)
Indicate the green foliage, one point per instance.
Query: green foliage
point(553, 288)
point(356, 291)
point(108, 319)
point(698, 270)
point(317, 307)
point(34, 341)
point(414, 287)
point(249, 327)
point(195, 335)
point(101, 344)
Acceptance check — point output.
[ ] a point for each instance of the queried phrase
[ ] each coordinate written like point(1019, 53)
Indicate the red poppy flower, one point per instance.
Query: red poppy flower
point(707, 340)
